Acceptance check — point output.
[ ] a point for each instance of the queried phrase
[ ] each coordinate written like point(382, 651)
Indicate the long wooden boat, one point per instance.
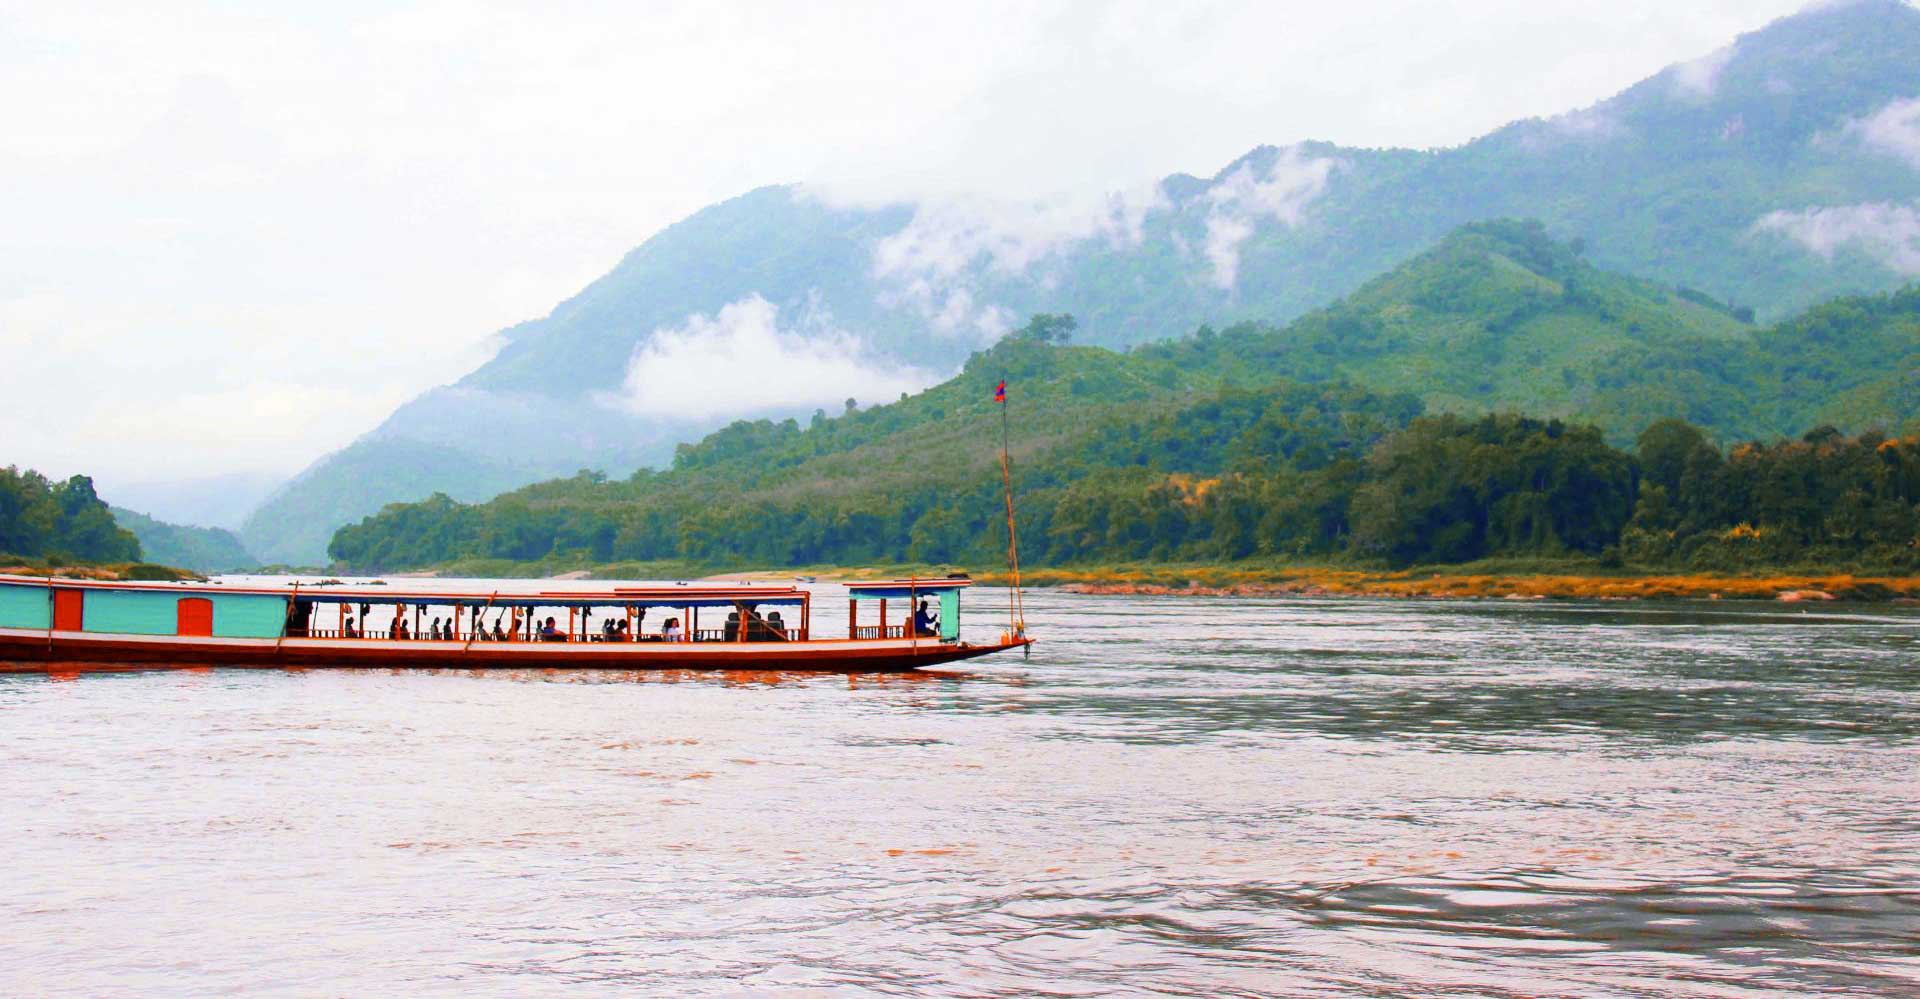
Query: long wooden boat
point(316, 625)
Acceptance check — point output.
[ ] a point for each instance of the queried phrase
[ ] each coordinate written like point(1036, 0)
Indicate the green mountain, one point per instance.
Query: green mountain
point(202, 549)
point(1776, 173)
point(1498, 316)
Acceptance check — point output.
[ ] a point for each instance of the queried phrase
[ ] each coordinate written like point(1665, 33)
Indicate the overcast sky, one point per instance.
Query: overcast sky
point(235, 236)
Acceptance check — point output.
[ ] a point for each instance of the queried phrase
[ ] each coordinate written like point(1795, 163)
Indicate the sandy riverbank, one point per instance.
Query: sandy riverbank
point(1487, 586)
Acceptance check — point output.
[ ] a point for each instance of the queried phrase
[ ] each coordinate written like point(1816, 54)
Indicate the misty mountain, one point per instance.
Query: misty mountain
point(1772, 174)
point(222, 501)
point(1497, 316)
point(202, 549)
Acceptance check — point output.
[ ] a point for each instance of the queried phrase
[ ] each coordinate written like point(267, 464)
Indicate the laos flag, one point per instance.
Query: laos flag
point(1000, 392)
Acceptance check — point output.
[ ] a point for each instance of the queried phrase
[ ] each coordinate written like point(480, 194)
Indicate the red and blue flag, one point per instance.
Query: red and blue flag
point(1000, 392)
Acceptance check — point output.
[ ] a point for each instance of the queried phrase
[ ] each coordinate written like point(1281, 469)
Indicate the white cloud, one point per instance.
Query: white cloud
point(1239, 201)
point(937, 263)
point(949, 235)
point(1699, 78)
point(1888, 233)
point(742, 361)
point(1894, 129)
point(1587, 123)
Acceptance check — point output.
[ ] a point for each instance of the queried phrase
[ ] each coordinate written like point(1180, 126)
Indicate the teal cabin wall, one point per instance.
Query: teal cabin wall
point(949, 615)
point(243, 616)
point(157, 612)
point(130, 612)
point(24, 606)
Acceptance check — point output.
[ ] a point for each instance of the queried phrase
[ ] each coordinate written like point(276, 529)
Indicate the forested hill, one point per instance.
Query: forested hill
point(43, 519)
point(1500, 316)
point(1268, 435)
point(1776, 173)
point(202, 549)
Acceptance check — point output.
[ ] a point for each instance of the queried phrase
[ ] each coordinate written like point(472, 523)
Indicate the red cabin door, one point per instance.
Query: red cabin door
point(68, 610)
point(195, 616)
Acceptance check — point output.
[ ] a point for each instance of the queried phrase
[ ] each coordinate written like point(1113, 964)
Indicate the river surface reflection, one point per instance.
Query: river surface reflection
point(1172, 796)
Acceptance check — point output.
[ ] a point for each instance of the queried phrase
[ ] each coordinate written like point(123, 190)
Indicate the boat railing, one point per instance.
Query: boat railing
point(876, 631)
point(702, 635)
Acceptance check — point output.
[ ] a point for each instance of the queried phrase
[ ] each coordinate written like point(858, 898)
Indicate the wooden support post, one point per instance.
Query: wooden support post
point(291, 601)
point(853, 618)
point(883, 617)
point(479, 617)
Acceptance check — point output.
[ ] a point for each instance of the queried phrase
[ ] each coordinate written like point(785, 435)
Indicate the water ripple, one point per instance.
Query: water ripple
point(1174, 796)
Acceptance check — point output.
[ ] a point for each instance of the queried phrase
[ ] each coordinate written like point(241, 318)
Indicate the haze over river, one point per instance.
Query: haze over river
point(1172, 796)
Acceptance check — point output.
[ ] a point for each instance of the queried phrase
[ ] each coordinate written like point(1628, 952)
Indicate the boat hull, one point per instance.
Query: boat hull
point(37, 650)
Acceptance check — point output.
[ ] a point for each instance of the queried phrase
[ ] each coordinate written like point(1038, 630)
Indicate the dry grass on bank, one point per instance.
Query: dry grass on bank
point(1427, 583)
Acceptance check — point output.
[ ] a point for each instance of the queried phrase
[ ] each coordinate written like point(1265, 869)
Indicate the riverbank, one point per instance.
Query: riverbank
point(1471, 584)
point(110, 571)
point(1534, 579)
point(1491, 581)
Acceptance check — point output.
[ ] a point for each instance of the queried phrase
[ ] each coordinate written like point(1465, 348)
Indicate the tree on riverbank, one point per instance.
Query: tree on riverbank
point(40, 518)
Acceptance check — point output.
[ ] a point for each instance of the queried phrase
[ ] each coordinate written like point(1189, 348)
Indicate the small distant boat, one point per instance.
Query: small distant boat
point(82, 621)
point(803, 579)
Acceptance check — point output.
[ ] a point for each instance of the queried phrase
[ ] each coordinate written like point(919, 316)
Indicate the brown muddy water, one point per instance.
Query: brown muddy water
point(1173, 796)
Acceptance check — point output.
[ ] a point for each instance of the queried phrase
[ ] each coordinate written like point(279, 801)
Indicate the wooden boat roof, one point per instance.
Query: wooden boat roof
point(906, 587)
point(611, 596)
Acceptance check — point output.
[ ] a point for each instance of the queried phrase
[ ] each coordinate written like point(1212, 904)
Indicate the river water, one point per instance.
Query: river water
point(1172, 796)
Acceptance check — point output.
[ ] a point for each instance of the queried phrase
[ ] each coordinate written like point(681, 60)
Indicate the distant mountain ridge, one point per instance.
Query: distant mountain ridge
point(1496, 317)
point(1773, 174)
point(202, 549)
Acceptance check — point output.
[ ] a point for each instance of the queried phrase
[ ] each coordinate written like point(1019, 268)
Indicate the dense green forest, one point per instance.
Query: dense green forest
point(202, 549)
point(1499, 316)
point(1184, 452)
point(43, 519)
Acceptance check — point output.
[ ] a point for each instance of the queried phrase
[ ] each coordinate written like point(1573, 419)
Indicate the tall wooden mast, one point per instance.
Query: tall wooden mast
point(1016, 603)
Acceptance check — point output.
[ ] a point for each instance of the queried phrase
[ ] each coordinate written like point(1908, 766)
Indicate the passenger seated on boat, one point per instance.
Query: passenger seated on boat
point(551, 633)
point(671, 631)
point(623, 633)
point(732, 631)
point(433, 630)
point(924, 623)
point(401, 631)
point(498, 635)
